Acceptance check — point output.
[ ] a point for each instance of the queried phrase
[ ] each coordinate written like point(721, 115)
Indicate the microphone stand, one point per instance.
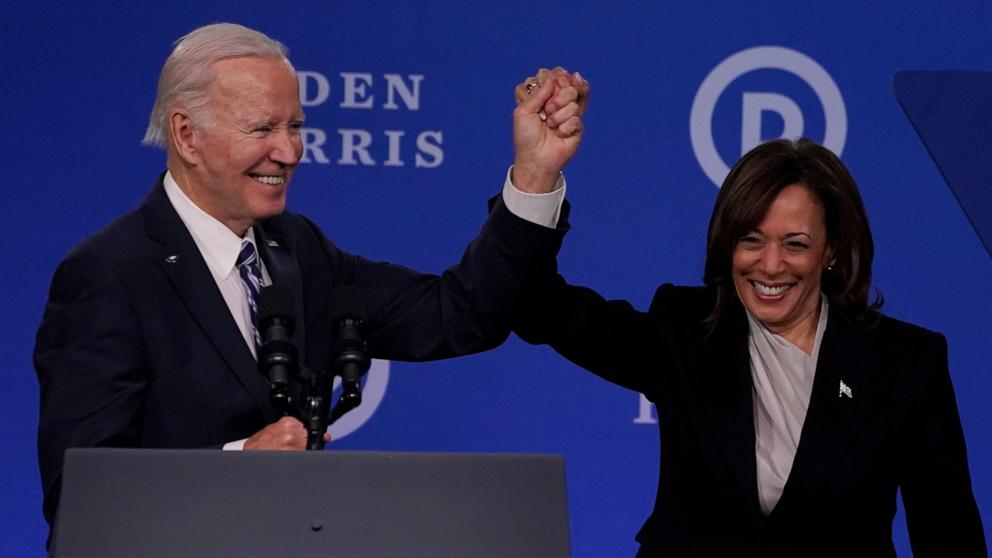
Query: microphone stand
point(313, 406)
point(278, 361)
point(315, 409)
point(350, 362)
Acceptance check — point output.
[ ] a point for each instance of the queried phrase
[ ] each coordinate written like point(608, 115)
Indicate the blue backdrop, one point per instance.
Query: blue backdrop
point(409, 132)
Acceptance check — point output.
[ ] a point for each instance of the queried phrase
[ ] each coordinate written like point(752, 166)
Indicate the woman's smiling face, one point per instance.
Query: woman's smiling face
point(778, 266)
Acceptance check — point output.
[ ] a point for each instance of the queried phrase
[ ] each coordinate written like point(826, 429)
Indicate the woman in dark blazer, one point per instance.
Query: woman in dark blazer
point(790, 410)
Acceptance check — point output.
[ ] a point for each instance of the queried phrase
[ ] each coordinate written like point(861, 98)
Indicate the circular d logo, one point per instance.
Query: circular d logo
point(754, 103)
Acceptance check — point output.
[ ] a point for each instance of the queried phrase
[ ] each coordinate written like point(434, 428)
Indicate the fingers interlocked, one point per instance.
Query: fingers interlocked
point(564, 109)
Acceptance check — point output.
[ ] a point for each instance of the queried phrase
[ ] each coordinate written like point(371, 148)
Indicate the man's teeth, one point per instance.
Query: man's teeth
point(271, 180)
point(771, 291)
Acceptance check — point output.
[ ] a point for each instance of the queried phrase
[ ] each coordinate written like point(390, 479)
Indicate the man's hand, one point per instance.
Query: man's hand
point(287, 433)
point(547, 127)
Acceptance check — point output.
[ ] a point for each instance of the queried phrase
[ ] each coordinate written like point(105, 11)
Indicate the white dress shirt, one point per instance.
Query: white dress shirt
point(219, 247)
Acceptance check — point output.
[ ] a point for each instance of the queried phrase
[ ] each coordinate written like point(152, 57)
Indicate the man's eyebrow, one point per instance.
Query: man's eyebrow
point(267, 122)
point(256, 123)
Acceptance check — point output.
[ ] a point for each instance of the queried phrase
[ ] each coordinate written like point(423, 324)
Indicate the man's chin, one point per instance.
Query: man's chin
point(269, 212)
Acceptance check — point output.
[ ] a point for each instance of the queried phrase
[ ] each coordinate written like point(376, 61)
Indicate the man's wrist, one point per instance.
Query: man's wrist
point(542, 209)
point(528, 179)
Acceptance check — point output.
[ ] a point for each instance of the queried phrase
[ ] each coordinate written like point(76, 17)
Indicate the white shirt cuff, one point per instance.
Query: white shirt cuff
point(540, 209)
point(235, 446)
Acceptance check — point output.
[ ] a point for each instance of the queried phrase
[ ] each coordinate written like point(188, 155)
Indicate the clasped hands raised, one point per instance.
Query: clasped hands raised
point(547, 127)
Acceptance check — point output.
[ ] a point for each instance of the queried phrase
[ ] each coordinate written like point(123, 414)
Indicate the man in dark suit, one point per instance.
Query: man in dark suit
point(149, 335)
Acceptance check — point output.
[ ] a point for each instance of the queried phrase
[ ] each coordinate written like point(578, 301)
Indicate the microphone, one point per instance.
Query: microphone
point(351, 358)
point(277, 357)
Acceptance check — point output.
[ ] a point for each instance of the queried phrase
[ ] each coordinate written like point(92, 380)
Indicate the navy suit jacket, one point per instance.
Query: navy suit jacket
point(899, 430)
point(138, 349)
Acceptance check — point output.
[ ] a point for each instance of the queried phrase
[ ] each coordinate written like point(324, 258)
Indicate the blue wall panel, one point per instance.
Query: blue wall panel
point(80, 80)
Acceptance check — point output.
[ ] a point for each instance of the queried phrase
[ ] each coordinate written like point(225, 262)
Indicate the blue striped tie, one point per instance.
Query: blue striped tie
point(251, 278)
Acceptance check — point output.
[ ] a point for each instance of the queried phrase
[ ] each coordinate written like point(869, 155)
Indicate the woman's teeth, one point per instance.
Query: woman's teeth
point(771, 291)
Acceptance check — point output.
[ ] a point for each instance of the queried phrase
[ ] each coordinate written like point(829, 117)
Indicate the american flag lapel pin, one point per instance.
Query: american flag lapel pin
point(845, 390)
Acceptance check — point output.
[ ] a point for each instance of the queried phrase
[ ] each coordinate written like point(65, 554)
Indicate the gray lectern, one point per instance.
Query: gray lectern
point(192, 503)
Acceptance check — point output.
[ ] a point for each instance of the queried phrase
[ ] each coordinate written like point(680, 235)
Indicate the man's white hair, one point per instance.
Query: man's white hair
point(186, 73)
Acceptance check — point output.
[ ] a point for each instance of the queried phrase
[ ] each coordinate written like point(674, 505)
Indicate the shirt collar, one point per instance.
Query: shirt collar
point(218, 245)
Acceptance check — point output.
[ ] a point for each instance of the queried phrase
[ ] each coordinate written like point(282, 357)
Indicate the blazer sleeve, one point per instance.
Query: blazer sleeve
point(90, 367)
point(941, 514)
point(606, 337)
point(468, 308)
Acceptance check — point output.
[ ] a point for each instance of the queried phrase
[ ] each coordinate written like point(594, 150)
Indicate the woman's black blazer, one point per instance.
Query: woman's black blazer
point(899, 430)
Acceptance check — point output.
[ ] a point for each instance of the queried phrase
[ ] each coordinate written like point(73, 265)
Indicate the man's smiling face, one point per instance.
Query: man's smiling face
point(250, 145)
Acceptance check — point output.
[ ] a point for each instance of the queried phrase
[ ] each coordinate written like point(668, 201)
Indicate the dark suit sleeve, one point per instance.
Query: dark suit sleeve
point(466, 309)
point(90, 368)
point(941, 512)
point(607, 337)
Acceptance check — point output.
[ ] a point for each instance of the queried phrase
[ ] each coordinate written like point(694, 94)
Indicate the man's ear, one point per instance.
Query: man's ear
point(182, 137)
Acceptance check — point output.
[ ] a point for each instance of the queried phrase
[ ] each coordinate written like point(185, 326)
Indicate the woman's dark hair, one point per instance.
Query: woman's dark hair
point(748, 192)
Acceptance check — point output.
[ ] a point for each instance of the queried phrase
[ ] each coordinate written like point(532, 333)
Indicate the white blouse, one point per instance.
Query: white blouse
point(782, 379)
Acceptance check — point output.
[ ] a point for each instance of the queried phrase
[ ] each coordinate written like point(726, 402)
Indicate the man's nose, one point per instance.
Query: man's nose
point(287, 147)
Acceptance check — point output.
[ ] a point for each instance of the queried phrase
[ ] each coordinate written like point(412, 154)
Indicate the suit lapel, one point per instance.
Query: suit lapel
point(833, 417)
point(180, 259)
point(724, 388)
